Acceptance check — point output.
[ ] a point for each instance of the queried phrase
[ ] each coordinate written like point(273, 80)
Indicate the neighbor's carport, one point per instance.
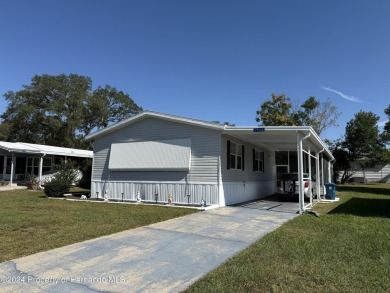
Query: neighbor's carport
point(301, 139)
point(10, 150)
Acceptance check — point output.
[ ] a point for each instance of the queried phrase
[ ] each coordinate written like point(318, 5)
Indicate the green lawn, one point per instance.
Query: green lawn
point(346, 249)
point(30, 222)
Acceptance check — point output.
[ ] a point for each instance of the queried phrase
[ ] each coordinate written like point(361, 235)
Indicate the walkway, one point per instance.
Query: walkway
point(163, 257)
point(11, 187)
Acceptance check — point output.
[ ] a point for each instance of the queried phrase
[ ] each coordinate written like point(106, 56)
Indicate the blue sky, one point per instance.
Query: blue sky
point(210, 60)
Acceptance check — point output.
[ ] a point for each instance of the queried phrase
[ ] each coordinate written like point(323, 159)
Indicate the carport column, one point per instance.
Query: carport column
point(329, 178)
point(40, 169)
point(300, 173)
point(322, 171)
point(12, 168)
point(318, 182)
point(310, 183)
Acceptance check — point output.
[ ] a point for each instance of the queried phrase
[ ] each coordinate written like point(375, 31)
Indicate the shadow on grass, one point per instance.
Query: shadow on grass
point(364, 189)
point(364, 207)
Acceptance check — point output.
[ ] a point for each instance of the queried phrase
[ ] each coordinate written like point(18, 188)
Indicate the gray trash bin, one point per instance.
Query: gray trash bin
point(330, 190)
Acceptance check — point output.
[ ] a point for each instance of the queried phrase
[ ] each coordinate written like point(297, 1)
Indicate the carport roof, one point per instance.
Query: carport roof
point(30, 148)
point(279, 138)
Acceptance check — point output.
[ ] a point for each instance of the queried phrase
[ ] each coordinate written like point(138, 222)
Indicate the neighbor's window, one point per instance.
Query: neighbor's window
point(258, 161)
point(235, 156)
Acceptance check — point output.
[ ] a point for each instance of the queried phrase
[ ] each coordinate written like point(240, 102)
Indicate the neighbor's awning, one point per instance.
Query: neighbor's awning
point(31, 148)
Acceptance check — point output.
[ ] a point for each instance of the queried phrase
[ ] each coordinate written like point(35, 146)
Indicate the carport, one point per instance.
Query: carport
point(302, 139)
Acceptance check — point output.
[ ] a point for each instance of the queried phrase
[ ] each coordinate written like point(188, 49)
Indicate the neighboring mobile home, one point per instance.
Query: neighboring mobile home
point(19, 159)
point(377, 173)
point(153, 156)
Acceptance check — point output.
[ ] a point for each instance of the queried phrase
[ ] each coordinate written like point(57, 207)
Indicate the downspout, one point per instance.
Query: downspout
point(300, 171)
point(221, 193)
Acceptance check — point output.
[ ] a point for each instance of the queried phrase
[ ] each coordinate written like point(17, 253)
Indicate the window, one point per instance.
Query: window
point(235, 156)
point(258, 161)
point(281, 158)
point(33, 165)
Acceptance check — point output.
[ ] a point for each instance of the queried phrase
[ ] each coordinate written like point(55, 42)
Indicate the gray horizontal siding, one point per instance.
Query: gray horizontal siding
point(204, 151)
point(236, 192)
point(231, 175)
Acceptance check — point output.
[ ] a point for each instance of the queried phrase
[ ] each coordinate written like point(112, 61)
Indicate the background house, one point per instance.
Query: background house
point(155, 155)
point(19, 159)
point(377, 173)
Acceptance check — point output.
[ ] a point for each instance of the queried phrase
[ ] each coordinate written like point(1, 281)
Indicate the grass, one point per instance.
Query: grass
point(346, 249)
point(30, 222)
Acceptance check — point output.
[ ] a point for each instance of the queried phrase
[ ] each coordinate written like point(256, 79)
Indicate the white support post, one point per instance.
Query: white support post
point(300, 173)
point(40, 170)
point(329, 177)
point(12, 168)
point(310, 183)
point(318, 182)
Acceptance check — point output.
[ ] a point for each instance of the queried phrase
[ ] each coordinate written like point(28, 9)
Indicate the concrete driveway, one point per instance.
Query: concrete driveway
point(163, 257)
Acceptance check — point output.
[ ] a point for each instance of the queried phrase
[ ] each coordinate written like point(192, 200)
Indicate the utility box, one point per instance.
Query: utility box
point(330, 191)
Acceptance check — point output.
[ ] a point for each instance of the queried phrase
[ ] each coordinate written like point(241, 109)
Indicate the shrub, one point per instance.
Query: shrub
point(32, 182)
point(57, 187)
point(67, 171)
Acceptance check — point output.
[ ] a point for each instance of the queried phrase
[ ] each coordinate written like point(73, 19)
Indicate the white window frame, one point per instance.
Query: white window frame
point(33, 165)
point(236, 153)
point(258, 161)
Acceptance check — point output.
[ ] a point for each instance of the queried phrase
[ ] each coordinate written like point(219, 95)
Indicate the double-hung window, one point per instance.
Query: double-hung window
point(258, 161)
point(235, 156)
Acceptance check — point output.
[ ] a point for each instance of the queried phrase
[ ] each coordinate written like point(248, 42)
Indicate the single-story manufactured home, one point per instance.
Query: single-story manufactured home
point(154, 156)
point(19, 159)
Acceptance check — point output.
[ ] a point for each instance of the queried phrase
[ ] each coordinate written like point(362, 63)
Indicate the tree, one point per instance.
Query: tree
point(279, 111)
point(386, 130)
point(362, 135)
point(60, 110)
point(319, 115)
point(362, 146)
point(106, 106)
point(276, 111)
point(343, 163)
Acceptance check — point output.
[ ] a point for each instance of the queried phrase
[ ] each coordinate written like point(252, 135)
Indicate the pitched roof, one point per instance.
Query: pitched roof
point(148, 114)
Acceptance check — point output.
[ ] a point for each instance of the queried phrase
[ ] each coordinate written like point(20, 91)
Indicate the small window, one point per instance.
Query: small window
point(258, 161)
point(235, 156)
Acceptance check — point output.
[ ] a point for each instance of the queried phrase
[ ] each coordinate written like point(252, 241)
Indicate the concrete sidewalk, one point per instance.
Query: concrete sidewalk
point(163, 257)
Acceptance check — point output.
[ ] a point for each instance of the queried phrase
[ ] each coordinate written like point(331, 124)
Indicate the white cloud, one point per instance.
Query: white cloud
point(382, 123)
point(344, 96)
